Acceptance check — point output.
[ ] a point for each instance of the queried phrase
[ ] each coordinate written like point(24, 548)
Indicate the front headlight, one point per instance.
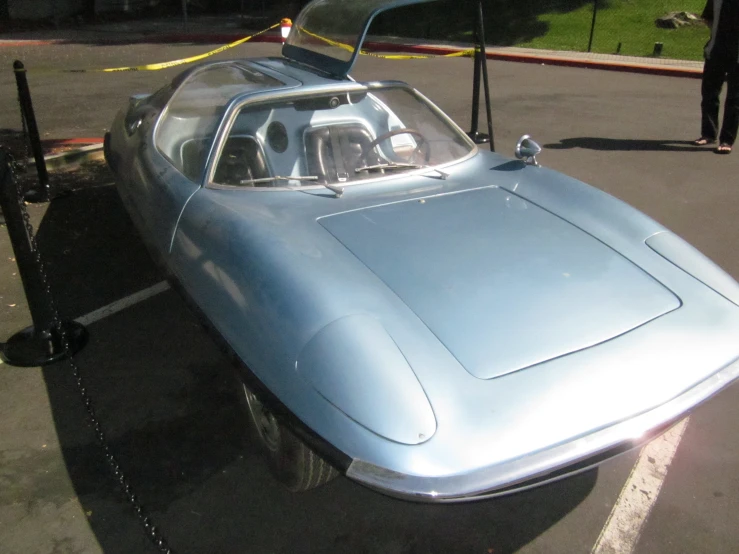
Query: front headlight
point(691, 261)
point(135, 113)
point(355, 365)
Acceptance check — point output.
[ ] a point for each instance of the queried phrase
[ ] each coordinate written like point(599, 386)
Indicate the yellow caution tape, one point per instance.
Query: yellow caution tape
point(350, 48)
point(327, 40)
point(459, 54)
point(173, 63)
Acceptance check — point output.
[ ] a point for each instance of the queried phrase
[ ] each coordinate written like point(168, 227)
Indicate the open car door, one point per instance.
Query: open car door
point(328, 34)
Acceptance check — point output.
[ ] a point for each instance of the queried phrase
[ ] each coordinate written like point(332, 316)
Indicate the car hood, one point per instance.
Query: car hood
point(503, 283)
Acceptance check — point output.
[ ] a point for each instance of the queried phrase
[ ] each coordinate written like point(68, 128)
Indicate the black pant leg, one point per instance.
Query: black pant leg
point(730, 123)
point(713, 80)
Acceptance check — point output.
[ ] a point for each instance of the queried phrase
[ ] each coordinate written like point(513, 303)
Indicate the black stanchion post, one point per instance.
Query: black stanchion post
point(484, 64)
point(41, 194)
point(481, 73)
point(44, 342)
point(184, 15)
point(474, 135)
point(592, 25)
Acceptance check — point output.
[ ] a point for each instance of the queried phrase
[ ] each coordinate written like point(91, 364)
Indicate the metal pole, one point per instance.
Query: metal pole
point(480, 73)
point(24, 98)
point(484, 63)
point(592, 25)
point(48, 340)
point(475, 94)
point(33, 285)
point(184, 15)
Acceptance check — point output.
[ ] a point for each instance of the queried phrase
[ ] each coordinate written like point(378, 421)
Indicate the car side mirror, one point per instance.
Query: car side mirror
point(527, 150)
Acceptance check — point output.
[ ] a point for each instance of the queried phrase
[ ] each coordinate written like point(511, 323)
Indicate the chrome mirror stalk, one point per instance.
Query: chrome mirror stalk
point(527, 150)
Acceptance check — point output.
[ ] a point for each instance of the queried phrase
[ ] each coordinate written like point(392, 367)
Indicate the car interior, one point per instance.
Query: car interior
point(333, 152)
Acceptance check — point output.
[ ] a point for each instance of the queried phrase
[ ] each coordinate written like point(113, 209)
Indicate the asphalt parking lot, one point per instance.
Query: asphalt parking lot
point(165, 394)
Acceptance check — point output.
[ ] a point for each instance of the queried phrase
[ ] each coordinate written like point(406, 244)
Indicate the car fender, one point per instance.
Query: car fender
point(355, 365)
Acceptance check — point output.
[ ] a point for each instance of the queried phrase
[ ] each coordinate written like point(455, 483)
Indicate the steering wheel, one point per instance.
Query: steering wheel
point(421, 146)
point(237, 163)
point(233, 167)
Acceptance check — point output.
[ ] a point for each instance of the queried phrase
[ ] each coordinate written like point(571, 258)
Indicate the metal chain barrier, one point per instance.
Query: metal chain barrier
point(150, 530)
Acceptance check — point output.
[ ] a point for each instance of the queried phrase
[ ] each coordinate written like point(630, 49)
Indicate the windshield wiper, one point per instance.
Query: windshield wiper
point(400, 165)
point(338, 191)
point(392, 165)
point(278, 178)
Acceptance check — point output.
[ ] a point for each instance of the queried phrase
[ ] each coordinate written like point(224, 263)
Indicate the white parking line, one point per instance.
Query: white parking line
point(123, 303)
point(621, 532)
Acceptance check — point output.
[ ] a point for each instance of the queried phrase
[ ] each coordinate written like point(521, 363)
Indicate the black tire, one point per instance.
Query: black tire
point(291, 461)
point(107, 154)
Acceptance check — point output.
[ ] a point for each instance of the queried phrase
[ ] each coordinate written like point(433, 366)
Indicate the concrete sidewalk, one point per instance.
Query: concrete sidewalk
point(226, 29)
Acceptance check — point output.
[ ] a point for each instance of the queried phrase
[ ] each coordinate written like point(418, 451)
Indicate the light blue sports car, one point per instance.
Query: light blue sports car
point(433, 320)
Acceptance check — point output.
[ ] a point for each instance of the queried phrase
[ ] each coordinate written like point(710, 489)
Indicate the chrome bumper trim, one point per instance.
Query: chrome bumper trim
point(547, 465)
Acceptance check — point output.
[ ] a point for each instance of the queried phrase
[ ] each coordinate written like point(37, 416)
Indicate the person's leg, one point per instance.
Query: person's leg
point(713, 80)
point(730, 124)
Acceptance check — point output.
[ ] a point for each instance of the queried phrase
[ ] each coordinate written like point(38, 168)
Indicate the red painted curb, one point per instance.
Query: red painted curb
point(604, 65)
point(441, 50)
point(50, 143)
point(18, 43)
point(226, 38)
point(205, 38)
point(540, 59)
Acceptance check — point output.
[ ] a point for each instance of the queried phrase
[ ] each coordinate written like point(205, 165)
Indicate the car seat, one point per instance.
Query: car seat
point(241, 160)
point(334, 151)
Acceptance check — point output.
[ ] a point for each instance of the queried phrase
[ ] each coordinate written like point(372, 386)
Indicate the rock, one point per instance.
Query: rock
point(675, 20)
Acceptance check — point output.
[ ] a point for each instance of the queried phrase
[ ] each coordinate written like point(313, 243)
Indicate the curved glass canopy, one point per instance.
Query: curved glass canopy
point(328, 34)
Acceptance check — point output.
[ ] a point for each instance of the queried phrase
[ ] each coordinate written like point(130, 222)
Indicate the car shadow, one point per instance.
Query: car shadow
point(609, 144)
point(91, 251)
point(168, 403)
point(512, 165)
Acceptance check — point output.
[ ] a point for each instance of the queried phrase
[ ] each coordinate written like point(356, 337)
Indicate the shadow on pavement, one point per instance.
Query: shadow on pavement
point(597, 143)
point(15, 142)
point(168, 404)
point(91, 252)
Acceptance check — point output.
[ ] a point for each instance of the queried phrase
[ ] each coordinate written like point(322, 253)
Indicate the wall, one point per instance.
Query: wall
point(51, 9)
point(44, 9)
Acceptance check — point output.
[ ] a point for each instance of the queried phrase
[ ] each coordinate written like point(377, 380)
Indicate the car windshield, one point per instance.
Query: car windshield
point(328, 33)
point(337, 139)
point(187, 126)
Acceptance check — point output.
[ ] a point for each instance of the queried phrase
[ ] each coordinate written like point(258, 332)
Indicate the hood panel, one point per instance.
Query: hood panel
point(502, 283)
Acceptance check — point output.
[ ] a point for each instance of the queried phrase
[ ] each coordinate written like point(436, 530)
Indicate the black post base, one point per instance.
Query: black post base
point(36, 196)
point(32, 348)
point(478, 138)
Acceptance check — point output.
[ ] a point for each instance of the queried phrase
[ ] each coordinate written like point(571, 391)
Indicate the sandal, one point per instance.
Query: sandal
point(723, 148)
point(703, 141)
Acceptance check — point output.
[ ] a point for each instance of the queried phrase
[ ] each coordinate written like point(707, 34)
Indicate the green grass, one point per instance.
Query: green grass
point(629, 22)
point(555, 25)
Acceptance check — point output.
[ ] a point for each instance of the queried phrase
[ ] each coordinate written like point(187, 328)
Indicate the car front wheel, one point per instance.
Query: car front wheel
point(292, 462)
